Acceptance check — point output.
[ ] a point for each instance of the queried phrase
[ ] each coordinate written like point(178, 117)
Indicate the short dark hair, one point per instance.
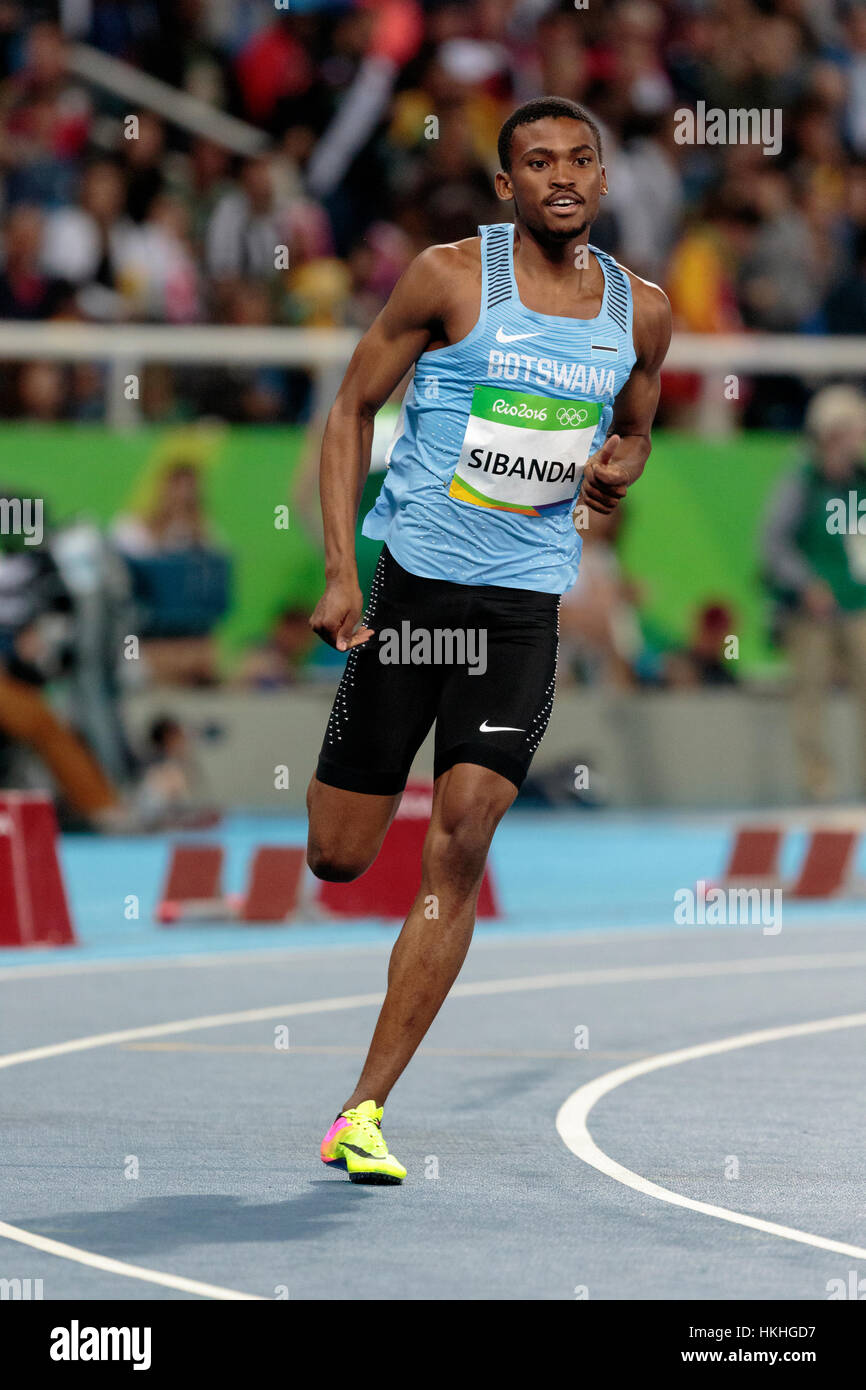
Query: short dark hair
point(536, 110)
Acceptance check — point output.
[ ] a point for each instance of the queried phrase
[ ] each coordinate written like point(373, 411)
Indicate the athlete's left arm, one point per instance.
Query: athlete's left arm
point(620, 461)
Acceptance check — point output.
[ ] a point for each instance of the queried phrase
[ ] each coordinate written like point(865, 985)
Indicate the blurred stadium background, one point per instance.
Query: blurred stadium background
point(203, 205)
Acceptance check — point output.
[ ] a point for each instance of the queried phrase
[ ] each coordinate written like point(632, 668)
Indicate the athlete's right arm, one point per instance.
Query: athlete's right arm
point(395, 340)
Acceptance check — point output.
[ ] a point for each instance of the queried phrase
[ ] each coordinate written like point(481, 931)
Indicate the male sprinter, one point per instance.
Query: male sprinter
point(529, 346)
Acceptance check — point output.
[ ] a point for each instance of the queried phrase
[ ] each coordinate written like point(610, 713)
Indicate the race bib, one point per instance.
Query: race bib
point(523, 454)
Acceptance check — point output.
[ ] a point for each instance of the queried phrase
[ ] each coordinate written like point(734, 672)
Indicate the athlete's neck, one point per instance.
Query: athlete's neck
point(549, 260)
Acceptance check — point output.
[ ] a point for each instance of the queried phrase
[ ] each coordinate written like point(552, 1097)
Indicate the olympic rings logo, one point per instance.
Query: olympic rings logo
point(570, 417)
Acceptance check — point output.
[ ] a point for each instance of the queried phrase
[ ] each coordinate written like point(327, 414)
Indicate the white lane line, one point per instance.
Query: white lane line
point(187, 1025)
point(153, 1276)
point(689, 970)
point(489, 987)
point(686, 970)
point(35, 1054)
point(573, 1115)
point(495, 940)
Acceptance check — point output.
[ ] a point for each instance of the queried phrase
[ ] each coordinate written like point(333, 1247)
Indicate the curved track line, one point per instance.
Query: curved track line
point(571, 1123)
point(489, 987)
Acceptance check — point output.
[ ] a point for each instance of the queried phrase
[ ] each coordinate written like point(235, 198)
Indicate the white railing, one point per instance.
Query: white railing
point(324, 352)
point(127, 348)
point(144, 92)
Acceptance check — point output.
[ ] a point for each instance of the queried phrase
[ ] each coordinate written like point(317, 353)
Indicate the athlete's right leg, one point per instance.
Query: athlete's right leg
point(346, 830)
point(468, 804)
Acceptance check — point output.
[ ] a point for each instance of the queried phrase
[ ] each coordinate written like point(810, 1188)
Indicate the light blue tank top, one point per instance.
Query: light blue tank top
point(488, 454)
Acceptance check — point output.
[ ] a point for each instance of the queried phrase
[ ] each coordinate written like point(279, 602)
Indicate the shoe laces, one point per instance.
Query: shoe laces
point(370, 1128)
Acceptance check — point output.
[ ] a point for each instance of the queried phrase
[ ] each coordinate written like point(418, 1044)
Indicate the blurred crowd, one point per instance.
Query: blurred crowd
point(378, 121)
point(369, 129)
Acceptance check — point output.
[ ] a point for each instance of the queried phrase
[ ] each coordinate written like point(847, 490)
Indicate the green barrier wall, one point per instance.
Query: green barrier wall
point(690, 534)
point(693, 527)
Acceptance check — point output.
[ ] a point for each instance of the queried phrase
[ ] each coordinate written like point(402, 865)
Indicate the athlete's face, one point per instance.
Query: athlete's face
point(556, 179)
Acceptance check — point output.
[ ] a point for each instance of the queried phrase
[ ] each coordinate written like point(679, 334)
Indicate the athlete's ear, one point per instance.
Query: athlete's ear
point(504, 191)
point(603, 181)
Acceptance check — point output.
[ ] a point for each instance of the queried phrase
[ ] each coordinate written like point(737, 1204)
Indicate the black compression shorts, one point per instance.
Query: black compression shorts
point(480, 660)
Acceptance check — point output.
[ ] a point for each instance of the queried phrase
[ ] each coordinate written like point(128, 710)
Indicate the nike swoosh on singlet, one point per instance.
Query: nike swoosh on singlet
point(486, 728)
point(502, 337)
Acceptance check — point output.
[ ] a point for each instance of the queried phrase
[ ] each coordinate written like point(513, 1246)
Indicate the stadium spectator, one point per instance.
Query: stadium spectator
point(157, 268)
point(85, 243)
point(97, 582)
point(600, 638)
point(26, 291)
point(855, 63)
point(278, 662)
point(247, 224)
point(845, 307)
point(274, 68)
point(705, 659)
point(207, 182)
point(651, 213)
point(143, 151)
point(638, 79)
point(450, 193)
point(782, 278)
point(35, 616)
point(180, 580)
point(256, 394)
point(175, 520)
point(42, 392)
point(170, 790)
point(87, 389)
point(47, 121)
point(178, 46)
point(815, 566)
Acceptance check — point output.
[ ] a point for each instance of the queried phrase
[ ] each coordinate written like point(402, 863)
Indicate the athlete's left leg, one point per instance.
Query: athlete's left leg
point(468, 803)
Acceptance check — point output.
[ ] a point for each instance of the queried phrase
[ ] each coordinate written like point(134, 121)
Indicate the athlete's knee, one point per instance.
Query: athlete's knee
point(454, 861)
point(335, 869)
point(336, 850)
point(456, 851)
point(335, 865)
point(457, 844)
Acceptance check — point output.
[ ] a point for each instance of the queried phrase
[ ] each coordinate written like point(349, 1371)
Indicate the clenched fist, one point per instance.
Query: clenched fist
point(604, 482)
